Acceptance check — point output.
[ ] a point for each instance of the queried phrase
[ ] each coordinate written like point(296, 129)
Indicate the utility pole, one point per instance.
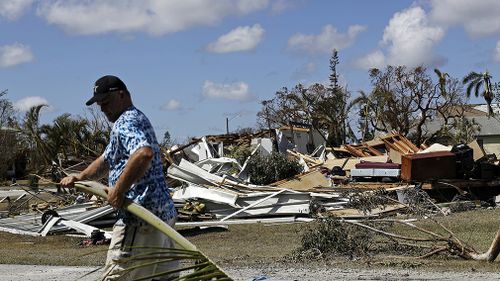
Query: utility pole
point(229, 119)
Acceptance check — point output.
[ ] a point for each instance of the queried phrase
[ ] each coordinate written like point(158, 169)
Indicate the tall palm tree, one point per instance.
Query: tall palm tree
point(442, 76)
point(476, 81)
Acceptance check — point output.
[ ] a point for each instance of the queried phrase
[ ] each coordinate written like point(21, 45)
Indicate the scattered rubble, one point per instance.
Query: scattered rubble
point(209, 187)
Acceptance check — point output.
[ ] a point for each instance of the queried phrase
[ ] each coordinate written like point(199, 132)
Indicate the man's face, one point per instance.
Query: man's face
point(111, 106)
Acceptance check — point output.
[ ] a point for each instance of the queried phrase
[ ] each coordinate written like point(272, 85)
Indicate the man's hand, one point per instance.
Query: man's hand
point(115, 198)
point(69, 181)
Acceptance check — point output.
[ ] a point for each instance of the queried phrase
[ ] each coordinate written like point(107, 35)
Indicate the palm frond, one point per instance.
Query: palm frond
point(203, 269)
point(470, 77)
point(469, 89)
point(478, 88)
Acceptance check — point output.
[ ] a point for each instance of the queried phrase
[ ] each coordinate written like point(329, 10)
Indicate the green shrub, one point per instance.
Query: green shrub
point(238, 152)
point(329, 237)
point(268, 169)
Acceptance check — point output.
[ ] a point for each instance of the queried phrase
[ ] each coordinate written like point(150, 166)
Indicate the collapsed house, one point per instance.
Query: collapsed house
point(391, 162)
point(210, 188)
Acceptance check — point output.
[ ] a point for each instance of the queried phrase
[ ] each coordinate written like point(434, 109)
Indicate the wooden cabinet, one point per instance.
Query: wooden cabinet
point(428, 166)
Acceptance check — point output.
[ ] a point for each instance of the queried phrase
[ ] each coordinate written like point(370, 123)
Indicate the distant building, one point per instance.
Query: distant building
point(303, 139)
point(489, 133)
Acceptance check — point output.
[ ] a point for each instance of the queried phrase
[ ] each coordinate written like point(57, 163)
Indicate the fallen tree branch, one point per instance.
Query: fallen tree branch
point(436, 251)
point(389, 234)
point(453, 245)
point(492, 252)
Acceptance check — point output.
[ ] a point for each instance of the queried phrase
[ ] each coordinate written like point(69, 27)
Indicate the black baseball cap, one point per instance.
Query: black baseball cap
point(104, 86)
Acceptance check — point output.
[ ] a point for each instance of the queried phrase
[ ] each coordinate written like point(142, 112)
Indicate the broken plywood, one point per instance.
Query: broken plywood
point(305, 182)
point(349, 163)
point(478, 151)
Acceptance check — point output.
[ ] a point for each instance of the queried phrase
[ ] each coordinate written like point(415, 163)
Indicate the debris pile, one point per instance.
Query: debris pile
point(213, 182)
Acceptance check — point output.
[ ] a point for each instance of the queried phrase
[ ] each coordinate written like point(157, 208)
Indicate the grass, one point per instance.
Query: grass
point(476, 228)
point(49, 250)
point(249, 244)
point(255, 244)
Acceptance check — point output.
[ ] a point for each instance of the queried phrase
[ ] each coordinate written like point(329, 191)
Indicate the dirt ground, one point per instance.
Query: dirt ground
point(251, 251)
point(272, 272)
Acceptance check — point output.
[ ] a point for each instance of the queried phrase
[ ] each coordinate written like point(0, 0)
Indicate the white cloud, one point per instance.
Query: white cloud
point(375, 59)
point(25, 104)
point(236, 91)
point(328, 39)
point(171, 105)
point(496, 54)
point(156, 17)
point(409, 39)
point(13, 9)
point(479, 18)
point(11, 55)
point(242, 38)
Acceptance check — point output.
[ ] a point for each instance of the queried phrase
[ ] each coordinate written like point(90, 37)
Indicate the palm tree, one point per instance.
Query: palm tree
point(39, 150)
point(476, 81)
point(442, 80)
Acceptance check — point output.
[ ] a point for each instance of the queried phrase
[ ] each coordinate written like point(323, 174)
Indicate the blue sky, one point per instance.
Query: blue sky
point(191, 63)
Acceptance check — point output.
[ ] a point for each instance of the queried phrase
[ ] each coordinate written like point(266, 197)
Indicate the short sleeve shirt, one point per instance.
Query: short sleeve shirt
point(131, 131)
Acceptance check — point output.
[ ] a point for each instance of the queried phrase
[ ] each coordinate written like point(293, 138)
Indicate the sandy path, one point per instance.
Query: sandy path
point(65, 273)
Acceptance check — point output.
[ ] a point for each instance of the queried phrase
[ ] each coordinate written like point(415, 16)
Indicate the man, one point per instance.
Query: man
point(133, 161)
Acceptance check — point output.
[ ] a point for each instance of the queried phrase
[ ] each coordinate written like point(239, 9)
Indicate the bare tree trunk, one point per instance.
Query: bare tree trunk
point(492, 252)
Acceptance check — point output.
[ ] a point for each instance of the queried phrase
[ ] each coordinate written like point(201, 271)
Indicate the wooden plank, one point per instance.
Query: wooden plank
point(401, 148)
point(373, 151)
point(354, 151)
point(402, 144)
point(307, 158)
point(391, 146)
point(410, 144)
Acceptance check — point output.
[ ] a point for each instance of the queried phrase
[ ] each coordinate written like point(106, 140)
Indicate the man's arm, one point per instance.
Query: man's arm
point(95, 170)
point(137, 165)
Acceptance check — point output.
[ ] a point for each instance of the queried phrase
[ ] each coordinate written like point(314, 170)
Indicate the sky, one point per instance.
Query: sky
point(192, 64)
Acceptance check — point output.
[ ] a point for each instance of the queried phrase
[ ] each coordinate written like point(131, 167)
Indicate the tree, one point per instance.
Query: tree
point(456, 127)
point(460, 130)
point(6, 110)
point(442, 76)
point(98, 130)
point(37, 149)
point(167, 140)
point(266, 169)
point(405, 99)
point(338, 103)
point(286, 108)
point(9, 144)
point(66, 138)
point(477, 81)
point(323, 107)
point(367, 131)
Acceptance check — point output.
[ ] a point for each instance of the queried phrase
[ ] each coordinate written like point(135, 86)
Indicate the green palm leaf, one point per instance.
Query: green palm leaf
point(477, 81)
point(203, 269)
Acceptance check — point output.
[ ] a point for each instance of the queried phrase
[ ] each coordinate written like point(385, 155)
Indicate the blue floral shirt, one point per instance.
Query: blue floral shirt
point(131, 131)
